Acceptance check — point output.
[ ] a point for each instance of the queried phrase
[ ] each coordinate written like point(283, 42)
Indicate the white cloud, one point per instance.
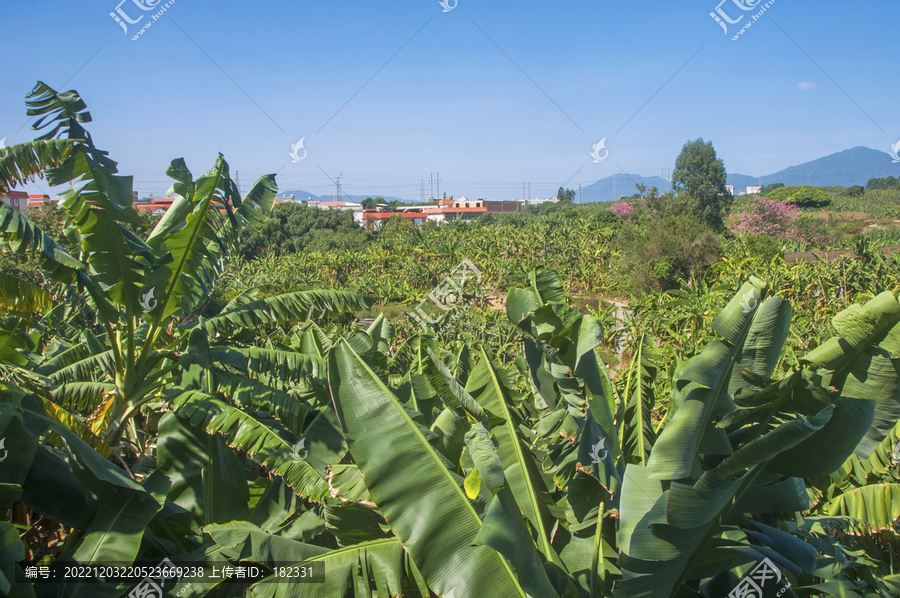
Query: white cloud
point(805, 85)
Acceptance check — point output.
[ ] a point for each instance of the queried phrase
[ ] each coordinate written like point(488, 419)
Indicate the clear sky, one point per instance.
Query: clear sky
point(489, 94)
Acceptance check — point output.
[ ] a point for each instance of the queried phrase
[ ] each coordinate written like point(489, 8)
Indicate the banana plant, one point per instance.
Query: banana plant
point(739, 445)
point(142, 293)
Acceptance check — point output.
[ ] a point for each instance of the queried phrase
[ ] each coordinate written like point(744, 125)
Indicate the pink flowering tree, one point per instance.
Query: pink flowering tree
point(623, 209)
point(768, 217)
point(780, 220)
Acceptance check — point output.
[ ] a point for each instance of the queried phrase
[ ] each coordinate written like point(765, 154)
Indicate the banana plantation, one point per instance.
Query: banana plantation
point(734, 436)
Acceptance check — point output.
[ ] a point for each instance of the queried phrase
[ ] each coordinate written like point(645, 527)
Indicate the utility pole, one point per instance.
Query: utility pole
point(237, 180)
point(421, 190)
point(579, 193)
point(808, 174)
point(439, 184)
point(431, 176)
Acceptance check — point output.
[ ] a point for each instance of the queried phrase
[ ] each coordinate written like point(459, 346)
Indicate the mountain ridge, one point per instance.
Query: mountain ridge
point(850, 167)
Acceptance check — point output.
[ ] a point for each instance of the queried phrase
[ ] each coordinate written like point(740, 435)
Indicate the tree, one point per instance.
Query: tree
point(291, 227)
point(769, 188)
point(802, 197)
point(890, 182)
point(369, 203)
point(565, 195)
point(856, 191)
point(700, 180)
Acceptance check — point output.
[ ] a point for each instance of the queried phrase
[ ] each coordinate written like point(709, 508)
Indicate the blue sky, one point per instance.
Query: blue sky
point(450, 100)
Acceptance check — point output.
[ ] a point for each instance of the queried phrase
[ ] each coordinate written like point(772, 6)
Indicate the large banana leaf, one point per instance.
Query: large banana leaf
point(519, 465)
point(675, 451)
point(286, 309)
point(878, 505)
point(100, 203)
point(115, 535)
point(23, 162)
point(190, 250)
point(22, 296)
point(673, 540)
point(261, 436)
point(638, 435)
point(207, 477)
point(420, 498)
point(20, 234)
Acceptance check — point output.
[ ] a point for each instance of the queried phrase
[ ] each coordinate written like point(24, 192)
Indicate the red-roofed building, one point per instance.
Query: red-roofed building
point(39, 201)
point(156, 206)
point(17, 200)
point(447, 209)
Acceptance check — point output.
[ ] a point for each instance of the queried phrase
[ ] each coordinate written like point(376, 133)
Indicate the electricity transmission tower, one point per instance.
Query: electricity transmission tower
point(338, 192)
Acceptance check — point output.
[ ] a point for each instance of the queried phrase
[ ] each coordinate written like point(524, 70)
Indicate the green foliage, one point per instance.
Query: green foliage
point(23, 162)
point(876, 184)
point(565, 195)
point(765, 246)
point(802, 197)
point(700, 180)
point(293, 227)
point(655, 258)
point(768, 189)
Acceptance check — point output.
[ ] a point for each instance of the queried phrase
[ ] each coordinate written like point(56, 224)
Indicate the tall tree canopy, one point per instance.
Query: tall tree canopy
point(700, 179)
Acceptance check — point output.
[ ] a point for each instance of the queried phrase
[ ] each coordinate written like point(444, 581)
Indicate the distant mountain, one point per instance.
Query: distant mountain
point(850, 167)
point(304, 196)
point(622, 184)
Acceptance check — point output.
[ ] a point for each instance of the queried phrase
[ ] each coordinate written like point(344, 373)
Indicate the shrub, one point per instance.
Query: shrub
point(656, 254)
point(802, 197)
point(763, 246)
point(291, 227)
